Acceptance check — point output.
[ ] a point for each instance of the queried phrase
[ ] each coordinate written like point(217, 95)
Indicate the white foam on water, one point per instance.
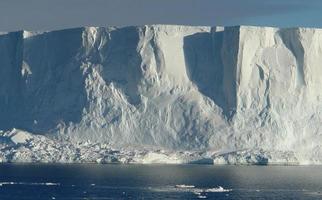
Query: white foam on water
point(27, 183)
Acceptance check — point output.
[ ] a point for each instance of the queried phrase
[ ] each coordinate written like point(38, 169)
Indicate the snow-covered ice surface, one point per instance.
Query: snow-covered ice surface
point(162, 94)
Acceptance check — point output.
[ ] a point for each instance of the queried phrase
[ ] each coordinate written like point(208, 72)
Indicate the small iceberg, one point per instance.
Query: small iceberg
point(217, 189)
point(185, 186)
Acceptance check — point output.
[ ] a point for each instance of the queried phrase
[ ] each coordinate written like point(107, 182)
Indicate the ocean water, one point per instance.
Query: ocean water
point(93, 181)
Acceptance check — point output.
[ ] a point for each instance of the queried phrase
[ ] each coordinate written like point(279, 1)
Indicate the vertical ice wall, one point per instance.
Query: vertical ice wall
point(11, 105)
point(54, 86)
point(172, 86)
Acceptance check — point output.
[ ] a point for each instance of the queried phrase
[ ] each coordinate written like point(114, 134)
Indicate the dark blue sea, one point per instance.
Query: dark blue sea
point(93, 181)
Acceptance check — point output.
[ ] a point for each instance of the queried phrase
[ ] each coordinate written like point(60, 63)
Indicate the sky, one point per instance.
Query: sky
point(59, 14)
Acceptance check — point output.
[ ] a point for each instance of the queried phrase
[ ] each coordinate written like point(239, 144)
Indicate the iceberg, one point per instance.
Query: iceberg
point(162, 94)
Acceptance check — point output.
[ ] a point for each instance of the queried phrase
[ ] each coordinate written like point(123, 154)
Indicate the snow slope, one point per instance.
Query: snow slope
point(229, 94)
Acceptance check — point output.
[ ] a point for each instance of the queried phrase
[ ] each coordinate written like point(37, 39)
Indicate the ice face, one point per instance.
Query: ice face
point(174, 87)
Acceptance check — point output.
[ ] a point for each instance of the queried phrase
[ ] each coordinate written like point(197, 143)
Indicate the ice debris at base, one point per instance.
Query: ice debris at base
point(236, 95)
point(21, 146)
point(18, 136)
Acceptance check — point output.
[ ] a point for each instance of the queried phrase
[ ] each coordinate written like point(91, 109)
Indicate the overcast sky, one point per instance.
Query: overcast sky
point(58, 14)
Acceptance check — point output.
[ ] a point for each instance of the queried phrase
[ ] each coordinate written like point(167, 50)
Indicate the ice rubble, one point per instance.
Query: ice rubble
point(21, 146)
point(245, 95)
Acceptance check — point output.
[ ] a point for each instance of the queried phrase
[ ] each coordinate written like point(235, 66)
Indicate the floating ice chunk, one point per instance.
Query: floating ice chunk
point(185, 186)
point(202, 197)
point(6, 183)
point(26, 183)
point(51, 183)
point(217, 189)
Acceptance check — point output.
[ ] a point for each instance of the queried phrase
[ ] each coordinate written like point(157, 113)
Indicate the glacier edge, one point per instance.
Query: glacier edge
point(253, 92)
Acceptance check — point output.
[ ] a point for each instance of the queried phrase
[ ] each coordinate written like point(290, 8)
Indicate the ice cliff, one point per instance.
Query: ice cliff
point(242, 93)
